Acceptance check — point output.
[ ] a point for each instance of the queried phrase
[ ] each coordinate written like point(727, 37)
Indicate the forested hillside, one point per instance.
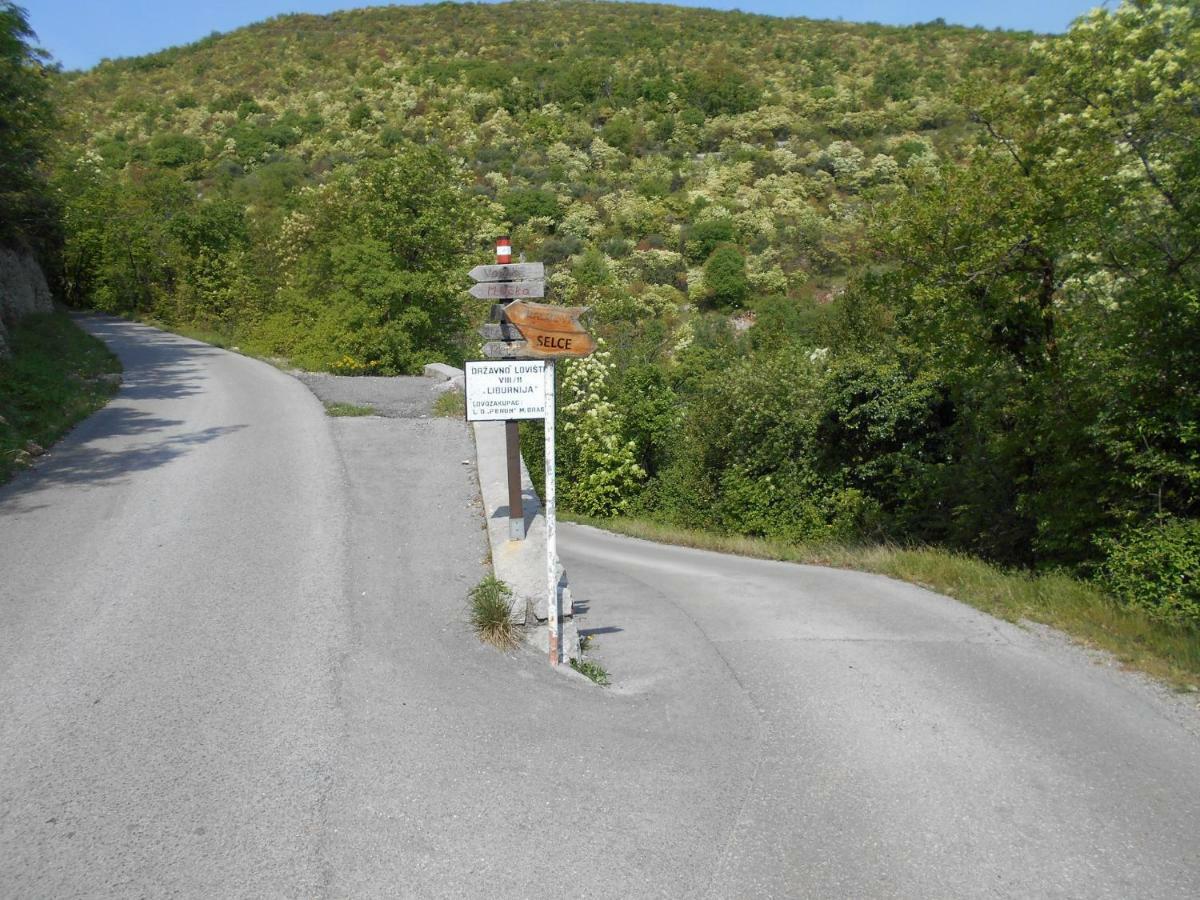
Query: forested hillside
point(856, 283)
point(619, 143)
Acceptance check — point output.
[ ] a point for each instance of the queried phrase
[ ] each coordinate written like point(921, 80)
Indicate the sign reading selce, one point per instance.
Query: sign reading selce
point(500, 390)
point(552, 332)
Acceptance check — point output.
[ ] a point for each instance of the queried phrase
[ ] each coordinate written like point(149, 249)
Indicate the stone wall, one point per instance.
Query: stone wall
point(23, 290)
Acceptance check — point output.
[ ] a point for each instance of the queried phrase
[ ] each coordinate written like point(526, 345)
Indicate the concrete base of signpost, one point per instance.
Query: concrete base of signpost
point(520, 564)
point(539, 639)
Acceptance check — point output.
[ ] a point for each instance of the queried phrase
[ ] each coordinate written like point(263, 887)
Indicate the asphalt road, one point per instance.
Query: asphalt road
point(907, 745)
point(234, 662)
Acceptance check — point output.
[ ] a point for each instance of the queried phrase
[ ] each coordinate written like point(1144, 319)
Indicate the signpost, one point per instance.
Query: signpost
point(506, 280)
point(517, 382)
point(508, 290)
point(507, 350)
point(552, 332)
point(505, 390)
point(507, 271)
point(500, 331)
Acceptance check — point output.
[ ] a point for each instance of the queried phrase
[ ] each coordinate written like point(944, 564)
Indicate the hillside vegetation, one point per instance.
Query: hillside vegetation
point(620, 143)
point(856, 283)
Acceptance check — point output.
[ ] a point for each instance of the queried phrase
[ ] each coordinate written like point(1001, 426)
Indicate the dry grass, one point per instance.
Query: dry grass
point(450, 405)
point(491, 601)
point(1075, 607)
point(340, 410)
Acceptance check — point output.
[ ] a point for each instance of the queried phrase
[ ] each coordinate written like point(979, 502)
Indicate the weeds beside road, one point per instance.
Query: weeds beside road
point(342, 410)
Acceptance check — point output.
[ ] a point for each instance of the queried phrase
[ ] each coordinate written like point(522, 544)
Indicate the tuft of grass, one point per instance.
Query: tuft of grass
point(592, 670)
point(450, 405)
point(491, 602)
point(348, 409)
point(55, 377)
point(1081, 610)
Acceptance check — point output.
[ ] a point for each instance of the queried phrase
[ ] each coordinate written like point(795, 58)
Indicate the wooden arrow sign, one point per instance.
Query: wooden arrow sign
point(553, 332)
point(509, 272)
point(506, 290)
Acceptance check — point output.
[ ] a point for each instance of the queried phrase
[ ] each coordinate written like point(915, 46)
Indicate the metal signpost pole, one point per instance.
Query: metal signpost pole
point(553, 620)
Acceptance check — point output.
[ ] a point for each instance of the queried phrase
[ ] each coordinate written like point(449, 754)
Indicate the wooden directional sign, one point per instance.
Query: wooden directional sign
point(509, 272)
point(500, 332)
point(508, 290)
point(507, 350)
point(552, 332)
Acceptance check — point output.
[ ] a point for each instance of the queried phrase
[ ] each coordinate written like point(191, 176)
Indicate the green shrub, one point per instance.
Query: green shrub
point(725, 276)
point(1157, 568)
point(705, 236)
point(174, 150)
point(599, 472)
point(522, 205)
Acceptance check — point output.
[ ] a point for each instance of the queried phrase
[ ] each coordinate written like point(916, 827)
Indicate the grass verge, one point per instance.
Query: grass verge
point(490, 602)
point(348, 409)
point(221, 339)
point(1079, 609)
point(55, 377)
point(450, 405)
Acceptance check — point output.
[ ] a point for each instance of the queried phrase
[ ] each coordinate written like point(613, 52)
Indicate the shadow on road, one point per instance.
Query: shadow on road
point(92, 466)
point(124, 437)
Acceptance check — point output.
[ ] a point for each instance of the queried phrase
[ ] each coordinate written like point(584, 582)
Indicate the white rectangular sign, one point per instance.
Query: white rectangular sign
point(502, 389)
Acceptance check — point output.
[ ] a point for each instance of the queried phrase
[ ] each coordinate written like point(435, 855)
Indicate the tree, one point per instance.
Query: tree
point(1053, 284)
point(26, 120)
point(375, 281)
point(725, 276)
point(1131, 121)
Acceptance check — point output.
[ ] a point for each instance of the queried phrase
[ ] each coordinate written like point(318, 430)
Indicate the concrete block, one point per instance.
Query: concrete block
point(441, 371)
point(538, 638)
point(519, 563)
point(457, 383)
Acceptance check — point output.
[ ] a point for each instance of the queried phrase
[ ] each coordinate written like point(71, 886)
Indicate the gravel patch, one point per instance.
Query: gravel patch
point(399, 397)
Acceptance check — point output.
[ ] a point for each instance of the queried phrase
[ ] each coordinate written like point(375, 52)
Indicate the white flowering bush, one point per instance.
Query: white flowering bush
point(599, 474)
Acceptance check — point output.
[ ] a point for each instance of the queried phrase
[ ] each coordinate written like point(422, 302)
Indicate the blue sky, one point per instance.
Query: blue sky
point(81, 32)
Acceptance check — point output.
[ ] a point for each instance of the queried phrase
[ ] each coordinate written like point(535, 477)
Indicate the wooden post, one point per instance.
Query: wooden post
point(512, 437)
point(553, 619)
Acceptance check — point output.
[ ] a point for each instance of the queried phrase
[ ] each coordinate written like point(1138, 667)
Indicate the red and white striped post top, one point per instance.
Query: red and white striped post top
point(503, 251)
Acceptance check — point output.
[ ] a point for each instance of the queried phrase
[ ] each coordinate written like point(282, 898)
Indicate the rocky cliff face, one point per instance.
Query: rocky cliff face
point(23, 290)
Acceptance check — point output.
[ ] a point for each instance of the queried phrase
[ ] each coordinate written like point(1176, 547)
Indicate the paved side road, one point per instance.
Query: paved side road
point(909, 746)
point(234, 662)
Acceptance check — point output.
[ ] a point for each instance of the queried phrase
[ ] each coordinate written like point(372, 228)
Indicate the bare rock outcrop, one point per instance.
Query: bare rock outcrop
point(23, 290)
